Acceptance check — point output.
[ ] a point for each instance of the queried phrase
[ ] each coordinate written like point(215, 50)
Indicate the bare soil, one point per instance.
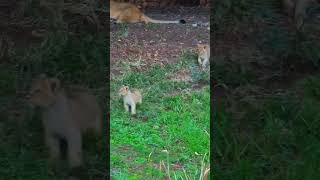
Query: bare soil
point(159, 43)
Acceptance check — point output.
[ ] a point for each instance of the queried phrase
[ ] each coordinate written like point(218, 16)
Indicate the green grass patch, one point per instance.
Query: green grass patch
point(265, 128)
point(172, 118)
point(277, 140)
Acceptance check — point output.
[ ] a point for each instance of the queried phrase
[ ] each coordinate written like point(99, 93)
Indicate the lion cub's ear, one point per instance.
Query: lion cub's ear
point(54, 84)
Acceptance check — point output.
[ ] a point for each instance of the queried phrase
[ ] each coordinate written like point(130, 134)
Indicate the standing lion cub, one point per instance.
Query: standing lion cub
point(130, 98)
point(67, 113)
point(203, 55)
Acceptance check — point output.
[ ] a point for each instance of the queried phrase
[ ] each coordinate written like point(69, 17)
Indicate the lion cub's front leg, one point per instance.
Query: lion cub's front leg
point(53, 145)
point(205, 63)
point(126, 107)
point(75, 148)
point(199, 61)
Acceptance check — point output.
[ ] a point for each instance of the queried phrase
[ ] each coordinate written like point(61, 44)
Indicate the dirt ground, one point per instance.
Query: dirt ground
point(159, 43)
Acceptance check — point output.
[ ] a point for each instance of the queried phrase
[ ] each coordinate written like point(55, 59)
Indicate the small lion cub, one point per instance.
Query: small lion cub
point(203, 55)
point(67, 112)
point(130, 98)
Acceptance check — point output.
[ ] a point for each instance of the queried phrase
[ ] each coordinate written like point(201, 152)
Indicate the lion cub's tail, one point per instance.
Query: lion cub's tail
point(147, 19)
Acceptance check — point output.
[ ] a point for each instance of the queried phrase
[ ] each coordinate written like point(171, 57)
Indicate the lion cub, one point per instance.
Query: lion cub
point(66, 114)
point(130, 98)
point(203, 55)
point(126, 12)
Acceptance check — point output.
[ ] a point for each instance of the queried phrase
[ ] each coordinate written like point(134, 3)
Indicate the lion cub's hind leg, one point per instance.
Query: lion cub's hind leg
point(74, 148)
point(133, 108)
point(126, 107)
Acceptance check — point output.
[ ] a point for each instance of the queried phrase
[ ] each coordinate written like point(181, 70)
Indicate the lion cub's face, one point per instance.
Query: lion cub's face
point(43, 91)
point(123, 90)
point(203, 48)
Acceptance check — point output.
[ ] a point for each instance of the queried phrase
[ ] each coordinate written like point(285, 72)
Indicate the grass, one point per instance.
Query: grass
point(73, 59)
point(152, 26)
point(266, 118)
point(279, 137)
point(171, 126)
point(123, 30)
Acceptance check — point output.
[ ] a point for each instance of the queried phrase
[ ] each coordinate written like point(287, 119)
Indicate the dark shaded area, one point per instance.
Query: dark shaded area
point(262, 73)
point(67, 41)
point(188, 2)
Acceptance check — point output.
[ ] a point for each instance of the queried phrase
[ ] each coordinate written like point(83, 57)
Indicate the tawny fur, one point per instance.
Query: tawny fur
point(129, 13)
point(203, 55)
point(66, 114)
point(130, 98)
